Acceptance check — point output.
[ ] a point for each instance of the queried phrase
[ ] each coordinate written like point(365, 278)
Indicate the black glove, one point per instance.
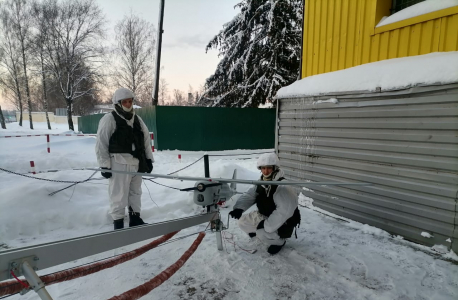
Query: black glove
point(236, 213)
point(260, 225)
point(106, 174)
point(149, 162)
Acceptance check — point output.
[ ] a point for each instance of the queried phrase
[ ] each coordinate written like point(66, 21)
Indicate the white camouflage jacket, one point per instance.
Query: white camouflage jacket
point(107, 127)
point(285, 199)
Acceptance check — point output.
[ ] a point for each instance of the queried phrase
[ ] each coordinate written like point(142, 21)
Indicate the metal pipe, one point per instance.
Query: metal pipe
point(158, 52)
point(206, 166)
point(35, 281)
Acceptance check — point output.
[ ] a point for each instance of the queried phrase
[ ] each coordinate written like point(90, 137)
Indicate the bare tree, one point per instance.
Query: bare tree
point(74, 51)
point(163, 91)
point(178, 98)
point(20, 19)
point(10, 79)
point(2, 119)
point(39, 41)
point(134, 53)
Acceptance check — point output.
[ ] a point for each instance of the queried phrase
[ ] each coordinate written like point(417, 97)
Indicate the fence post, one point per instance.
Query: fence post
point(152, 141)
point(32, 167)
point(206, 166)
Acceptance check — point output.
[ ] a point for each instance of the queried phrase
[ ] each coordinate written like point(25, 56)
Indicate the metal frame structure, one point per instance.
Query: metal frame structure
point(25, 261)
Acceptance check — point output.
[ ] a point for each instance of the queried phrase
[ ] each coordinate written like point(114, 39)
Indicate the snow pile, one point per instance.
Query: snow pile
point(418, 10)
point(391, 74)
point(305, 201)
point(331, 100)
point(426, 234)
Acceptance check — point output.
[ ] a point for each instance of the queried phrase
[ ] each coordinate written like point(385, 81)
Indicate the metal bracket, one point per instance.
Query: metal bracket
point(15, 265)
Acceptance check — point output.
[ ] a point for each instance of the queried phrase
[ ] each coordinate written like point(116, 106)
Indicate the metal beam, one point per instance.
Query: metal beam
point(56, 253)
point(241, 181)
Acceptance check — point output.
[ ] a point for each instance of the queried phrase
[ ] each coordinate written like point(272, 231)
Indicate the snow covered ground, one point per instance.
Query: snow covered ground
point(333, 258)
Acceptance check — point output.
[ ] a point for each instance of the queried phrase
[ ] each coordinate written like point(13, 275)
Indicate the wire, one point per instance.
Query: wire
point(26, 286)
point(7, 296)
point(149, 193)
point(44, 179)
point(170, 187)
point(75, 183)
point(186, 166)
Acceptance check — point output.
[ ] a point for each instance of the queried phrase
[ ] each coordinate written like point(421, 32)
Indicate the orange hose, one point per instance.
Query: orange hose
point(147, 287)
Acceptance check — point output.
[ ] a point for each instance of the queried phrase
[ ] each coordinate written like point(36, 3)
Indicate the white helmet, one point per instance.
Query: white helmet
point(267, 159)
point(121, 94)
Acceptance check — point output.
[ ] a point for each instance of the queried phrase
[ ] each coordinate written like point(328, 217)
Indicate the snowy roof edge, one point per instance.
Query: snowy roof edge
point(435, 68)
point(363, 92)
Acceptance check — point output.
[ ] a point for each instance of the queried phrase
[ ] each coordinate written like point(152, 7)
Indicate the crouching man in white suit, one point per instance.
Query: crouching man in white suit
point(123, 144)
point(277, 213)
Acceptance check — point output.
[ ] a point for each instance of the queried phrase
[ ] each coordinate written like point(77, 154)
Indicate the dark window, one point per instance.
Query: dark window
point(401, 4)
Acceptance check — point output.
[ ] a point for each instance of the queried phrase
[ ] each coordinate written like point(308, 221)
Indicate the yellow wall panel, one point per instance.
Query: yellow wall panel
point(451, 36)
point(415, 37)
point(359, 32)
point(343, 35)
point(404, 42)
point(436, 35)
point(394, 44)
point(316, 38)
point(329, 37)
point(322, 40)
point(336, 37)
point(427, 30)
point(351, 33)
point(375, 48)
point(340, 34)
point(308, 43)
point(384, 43)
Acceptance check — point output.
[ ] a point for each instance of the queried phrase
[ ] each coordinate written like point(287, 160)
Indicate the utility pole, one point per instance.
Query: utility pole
point(158, 52)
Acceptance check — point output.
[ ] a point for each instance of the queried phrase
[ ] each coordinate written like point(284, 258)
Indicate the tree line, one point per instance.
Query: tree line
point(53, 53)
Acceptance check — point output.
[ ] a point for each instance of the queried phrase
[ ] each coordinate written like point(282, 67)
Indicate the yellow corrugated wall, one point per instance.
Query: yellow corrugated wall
point(340, 34)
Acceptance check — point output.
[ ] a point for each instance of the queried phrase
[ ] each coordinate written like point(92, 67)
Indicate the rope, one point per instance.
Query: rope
point(11, 287)
point(44, 179)
point(147, 287)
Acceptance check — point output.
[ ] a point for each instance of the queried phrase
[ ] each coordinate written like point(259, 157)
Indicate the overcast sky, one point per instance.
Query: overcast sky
point(188, 27)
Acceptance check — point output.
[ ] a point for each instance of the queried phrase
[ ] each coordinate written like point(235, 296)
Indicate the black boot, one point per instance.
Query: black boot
point(118, 224)
point(274, 249)
point(135, 220)
point(252, 234)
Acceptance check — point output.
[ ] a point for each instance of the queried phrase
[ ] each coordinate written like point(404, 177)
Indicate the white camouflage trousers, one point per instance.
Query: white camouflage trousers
point(124, 190)
point(249, 222)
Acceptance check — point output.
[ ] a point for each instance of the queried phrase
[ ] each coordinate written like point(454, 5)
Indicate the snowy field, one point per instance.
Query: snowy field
point(333, 258)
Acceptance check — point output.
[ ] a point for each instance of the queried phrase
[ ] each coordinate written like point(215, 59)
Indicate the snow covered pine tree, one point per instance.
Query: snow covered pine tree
point(261, 53)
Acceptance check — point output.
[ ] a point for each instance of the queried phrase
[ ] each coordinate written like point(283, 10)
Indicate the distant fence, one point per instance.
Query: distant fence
point(41, 117)
point(202, 128)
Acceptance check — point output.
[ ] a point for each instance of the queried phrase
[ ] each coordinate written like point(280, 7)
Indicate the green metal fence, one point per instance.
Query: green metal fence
point(203, 128)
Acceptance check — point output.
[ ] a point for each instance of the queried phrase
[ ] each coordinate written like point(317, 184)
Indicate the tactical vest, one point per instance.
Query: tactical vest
point(266, 206)
point(124, 136)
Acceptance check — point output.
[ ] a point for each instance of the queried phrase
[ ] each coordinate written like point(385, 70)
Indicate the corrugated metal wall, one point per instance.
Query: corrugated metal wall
point(340, 34)
point(405, 143)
